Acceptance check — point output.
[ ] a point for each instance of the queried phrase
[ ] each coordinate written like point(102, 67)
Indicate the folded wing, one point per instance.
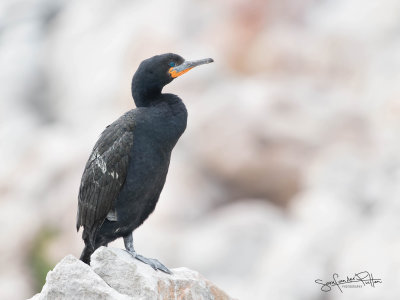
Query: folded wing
point(104, 174)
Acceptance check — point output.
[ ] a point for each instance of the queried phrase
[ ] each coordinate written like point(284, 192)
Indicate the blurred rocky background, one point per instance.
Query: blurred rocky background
point(288, 172)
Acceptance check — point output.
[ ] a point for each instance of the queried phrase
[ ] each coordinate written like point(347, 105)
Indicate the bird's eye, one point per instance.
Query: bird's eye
point(171, 64)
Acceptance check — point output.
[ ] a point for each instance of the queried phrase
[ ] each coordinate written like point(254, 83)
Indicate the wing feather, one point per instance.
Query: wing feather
point(104, 174)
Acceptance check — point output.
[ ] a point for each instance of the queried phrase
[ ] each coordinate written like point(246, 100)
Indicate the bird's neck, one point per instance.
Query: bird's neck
point(145, 96)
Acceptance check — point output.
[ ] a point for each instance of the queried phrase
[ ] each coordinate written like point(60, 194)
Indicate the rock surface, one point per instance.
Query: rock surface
point(114, 274)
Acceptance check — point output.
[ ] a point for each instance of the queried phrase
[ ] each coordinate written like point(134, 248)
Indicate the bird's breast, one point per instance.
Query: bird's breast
point(162, 126)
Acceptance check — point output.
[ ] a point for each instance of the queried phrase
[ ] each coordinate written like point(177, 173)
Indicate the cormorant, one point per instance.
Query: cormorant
point(126, 171)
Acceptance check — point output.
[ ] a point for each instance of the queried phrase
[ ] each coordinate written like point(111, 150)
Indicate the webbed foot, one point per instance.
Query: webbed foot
point(152, 262)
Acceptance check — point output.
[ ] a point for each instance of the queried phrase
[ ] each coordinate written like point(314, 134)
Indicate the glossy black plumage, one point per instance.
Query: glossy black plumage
point(127, 169)
point(104, 175)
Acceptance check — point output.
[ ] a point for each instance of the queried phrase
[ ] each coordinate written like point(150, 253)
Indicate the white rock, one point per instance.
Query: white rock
point(130, 277)
point(116, 275)
point(73, 279)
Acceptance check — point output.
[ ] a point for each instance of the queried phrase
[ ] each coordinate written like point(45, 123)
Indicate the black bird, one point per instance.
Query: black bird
point(126, 171)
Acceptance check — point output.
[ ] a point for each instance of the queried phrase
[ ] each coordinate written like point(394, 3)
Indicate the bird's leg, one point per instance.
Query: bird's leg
point(128, 241)
point(154, 263)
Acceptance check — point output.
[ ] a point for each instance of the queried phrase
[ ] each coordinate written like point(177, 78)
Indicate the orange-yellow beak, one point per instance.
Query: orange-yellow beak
point(188, 65)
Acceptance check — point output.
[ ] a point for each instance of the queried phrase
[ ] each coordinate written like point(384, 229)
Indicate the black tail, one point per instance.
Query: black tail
point(86, 253)
point(88, 236)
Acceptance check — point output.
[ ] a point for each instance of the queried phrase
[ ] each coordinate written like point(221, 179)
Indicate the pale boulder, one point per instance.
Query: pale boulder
point(115, 274)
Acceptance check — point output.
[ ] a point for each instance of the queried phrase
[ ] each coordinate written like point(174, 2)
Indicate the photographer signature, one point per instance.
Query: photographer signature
point(358, 280)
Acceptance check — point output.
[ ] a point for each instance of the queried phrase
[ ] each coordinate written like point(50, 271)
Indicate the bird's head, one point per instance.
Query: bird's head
point(157, 71)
